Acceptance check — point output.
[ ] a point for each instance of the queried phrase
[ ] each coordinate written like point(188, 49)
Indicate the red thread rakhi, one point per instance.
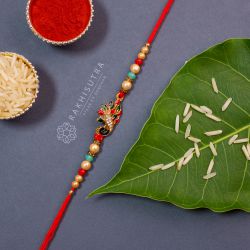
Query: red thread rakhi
point(109, 116)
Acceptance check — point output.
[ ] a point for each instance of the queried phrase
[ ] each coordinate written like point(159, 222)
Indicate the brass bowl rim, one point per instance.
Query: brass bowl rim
point(58, 43)
point(29, 64)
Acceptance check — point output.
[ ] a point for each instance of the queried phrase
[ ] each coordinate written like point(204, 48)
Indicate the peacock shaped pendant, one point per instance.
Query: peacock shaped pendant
point(109, 116)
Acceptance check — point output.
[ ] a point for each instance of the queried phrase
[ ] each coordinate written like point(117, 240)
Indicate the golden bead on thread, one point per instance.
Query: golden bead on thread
point(126, 85)
point(75, 184)
point(79, 178)
point(71, 192)
point(141, 56)
point(145, 50)
point(135, 68)
point(86, 165)
point(94, 148)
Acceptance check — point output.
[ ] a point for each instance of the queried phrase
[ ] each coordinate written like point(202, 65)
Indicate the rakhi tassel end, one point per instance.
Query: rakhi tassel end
point(58, 219)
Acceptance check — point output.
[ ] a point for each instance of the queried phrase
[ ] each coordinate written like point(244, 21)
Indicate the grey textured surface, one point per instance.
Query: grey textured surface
point(36, 168)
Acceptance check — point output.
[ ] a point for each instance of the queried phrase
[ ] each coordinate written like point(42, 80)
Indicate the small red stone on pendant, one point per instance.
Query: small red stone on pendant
point(100, 112)
point(82, 172)
point(117, 102)
point(98, 137)
point(121, 94)
point(120, 113)
point(117, 121)
point(139, 61)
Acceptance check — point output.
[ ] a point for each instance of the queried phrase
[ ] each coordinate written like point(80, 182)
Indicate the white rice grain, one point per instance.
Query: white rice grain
point(197, 151)
point(207, 110)
point(186, 110)
point(187, 117)
point(226, 104)
point(15, 80)
point(212, 133)
point(243, 140)
point(248, 148)
point(214, 85)
point(180, 163)
point(208, 176)
point(177, 124)
point(213, 149)
point(193, 139)
point(210, 167)
point(197, 108)
point(232, 139)
point(188, 131)
point(187, 159)
point(169, 165)
point(245, 151)
point(156, 167)
point(213, 117)
point(190, 151)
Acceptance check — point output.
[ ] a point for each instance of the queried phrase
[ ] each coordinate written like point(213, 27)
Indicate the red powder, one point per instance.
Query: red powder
point(60, 20)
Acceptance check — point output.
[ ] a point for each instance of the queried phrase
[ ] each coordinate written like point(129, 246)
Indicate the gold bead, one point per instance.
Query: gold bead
point(75, 184)
point(145, 50)
point(126, 85)
point(94, 148)
point(71, 192)
point(141, 56)
point(135, 68)
point(79, 178)
point(86, 165)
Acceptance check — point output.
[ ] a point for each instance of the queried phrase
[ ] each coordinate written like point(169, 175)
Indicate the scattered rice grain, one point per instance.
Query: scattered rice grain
point(169, 165)
point(207, 110)
point(213, 149)
point(177, 124)
point(197, 108)
point(193, 139)
point(185, 162)
point(187, 117)
point(213, 117)
point(226, 104)
point(248, 148)
point(214, 85)
point(186, 110)
point(210, 166)
point(212, 133)
point(245, 151)
point(232, 139)
point(197, 151)
point(180, 163)
point(209, 176)
point(190, 151)
point(156, 167)
point(188, 130)
point(243, 140)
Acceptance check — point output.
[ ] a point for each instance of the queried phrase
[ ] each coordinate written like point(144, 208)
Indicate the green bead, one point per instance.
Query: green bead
point(89, 158)
point(131, 75)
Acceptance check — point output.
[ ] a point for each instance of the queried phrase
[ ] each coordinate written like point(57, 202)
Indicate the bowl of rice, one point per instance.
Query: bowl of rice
point(19, 85)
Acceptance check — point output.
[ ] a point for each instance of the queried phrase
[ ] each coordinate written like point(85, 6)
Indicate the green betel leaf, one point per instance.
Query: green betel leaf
point(229, 64)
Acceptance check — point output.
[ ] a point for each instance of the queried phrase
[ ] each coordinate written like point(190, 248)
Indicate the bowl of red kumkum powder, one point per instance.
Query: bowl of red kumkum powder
point(59, 22)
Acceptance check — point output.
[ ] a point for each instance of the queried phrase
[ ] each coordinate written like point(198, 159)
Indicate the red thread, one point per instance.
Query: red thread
point(160, 21)
point(58, 20)
point(51, 233)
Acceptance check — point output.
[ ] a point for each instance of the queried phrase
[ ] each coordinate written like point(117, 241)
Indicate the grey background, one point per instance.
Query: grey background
point(36, 169)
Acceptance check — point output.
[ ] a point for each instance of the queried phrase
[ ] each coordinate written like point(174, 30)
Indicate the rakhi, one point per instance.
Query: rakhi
point(109, 116)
